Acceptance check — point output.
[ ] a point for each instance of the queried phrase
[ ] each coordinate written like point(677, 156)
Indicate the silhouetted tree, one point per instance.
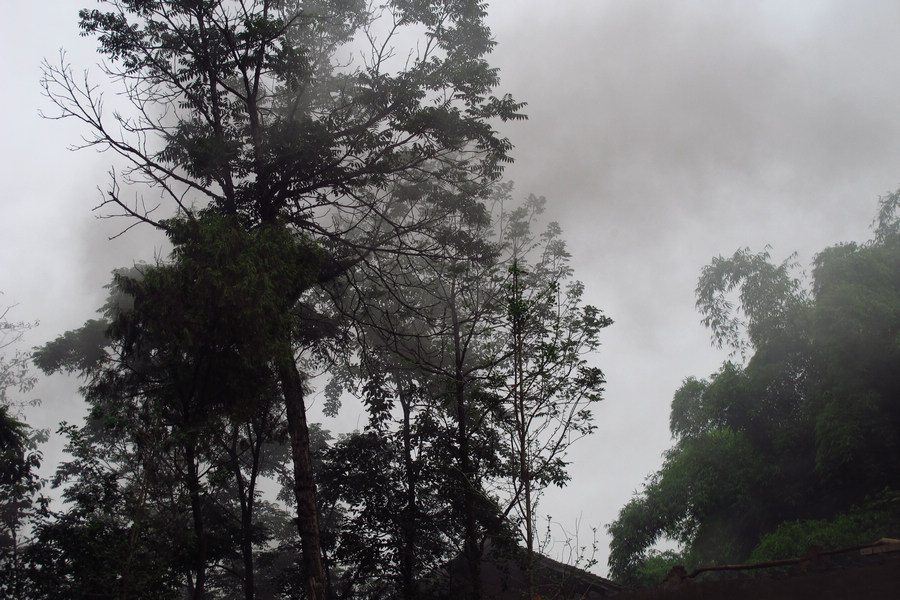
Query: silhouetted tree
point(441, 338)
point(183, 394)
point(547, 382)
point(297, 114)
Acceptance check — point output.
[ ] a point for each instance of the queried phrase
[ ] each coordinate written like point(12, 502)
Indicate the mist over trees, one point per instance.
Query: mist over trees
point(455, 330)
point(793, 442)
point(327, 174)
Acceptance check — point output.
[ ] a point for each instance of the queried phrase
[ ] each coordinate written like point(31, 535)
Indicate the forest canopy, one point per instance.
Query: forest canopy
point(328, 175)
point(796, 444)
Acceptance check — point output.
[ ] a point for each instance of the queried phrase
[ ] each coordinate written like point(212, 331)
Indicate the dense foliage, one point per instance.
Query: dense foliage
point(183, 423)
point(331, 214)
point(328, 172)
point(800, 440)
point(162, 486)
point(475, 371)
point(20, 459)
point(316, 129)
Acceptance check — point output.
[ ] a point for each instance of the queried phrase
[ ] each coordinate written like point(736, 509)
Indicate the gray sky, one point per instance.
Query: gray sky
point(662, 133)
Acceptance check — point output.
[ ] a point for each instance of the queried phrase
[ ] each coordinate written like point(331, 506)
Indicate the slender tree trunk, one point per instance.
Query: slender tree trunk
point(519, 402)
point(246, 495)
point(410, 517)
point(199, 557)
point(247, 553)
point(529, 525)
point(304, 482)
point(472, 549)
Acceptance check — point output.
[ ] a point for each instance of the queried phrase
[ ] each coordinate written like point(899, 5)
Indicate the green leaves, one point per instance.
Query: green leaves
point(806, 428)
point(878, 517)
point(768, 295)
point(705, 480)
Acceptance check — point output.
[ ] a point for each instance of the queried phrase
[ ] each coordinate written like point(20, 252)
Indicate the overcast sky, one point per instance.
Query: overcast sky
point(662, 133)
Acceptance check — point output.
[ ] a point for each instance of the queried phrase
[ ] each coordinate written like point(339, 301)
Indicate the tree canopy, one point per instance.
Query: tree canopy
point(328, 175)
point(805, 430)
point(304, 118)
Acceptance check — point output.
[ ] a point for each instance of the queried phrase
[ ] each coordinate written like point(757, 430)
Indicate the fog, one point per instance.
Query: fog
point(662, 134)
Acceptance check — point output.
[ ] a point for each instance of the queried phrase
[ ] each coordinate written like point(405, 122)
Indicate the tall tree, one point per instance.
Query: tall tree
point(441, 339)
point(298, 114)
point(548, 384)
point(389, 481)
point(181, 388)
point(425, 323)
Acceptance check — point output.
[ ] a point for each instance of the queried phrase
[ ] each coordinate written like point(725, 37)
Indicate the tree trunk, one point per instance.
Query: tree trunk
point(471, 546)
point(247, 556)
point(518, 316)
point(304, 483)
point(246, 497)
point(410, 517)
point(472, 549)
point(199, 557)
point(247, 552)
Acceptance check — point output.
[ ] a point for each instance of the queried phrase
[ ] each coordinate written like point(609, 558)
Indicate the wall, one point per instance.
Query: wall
point(867, 578)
